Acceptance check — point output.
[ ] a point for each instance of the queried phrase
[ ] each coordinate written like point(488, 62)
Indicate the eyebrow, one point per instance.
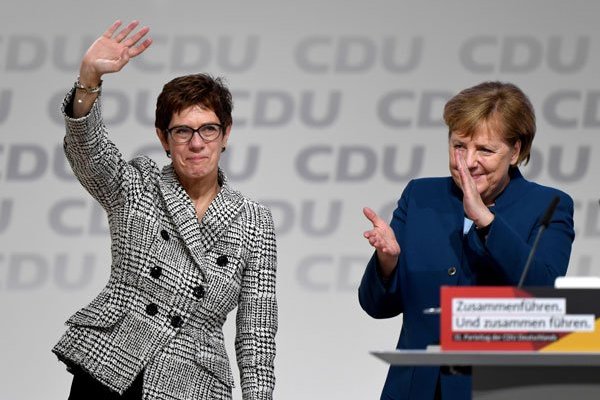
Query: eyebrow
point(488, 145)
point(205, 124)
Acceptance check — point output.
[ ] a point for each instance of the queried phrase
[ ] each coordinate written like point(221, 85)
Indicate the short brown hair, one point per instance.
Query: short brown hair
point(189, 90)
point(499, 102)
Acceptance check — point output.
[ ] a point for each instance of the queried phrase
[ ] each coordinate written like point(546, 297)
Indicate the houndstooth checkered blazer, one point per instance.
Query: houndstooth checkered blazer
point(173, 280)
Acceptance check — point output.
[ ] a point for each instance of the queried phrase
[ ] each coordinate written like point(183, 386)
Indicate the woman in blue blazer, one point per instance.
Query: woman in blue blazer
point(475, 227)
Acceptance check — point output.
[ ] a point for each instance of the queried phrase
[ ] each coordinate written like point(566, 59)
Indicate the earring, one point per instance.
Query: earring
point(168, 153)
point(223, 149)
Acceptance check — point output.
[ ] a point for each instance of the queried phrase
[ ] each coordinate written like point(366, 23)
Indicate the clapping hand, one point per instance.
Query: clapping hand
point(473, 205)
point(383, 239)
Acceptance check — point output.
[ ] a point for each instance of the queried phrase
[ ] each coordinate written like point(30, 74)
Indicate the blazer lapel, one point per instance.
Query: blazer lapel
point(219, 215)
point(198, 237)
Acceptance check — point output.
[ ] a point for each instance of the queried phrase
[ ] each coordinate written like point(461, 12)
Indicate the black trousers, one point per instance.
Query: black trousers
point(85, 387)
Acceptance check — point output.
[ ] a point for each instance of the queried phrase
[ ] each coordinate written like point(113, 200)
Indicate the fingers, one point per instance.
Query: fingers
point(130, 45)
point(381, 237)
point(126, 31)
point(463, 172)
point(372, 216)
point(369, 213)
point(472, 202)
point(375, 239)
point(110, 31)
point(137, 50)
point(461, 164)
point(384, 242)
point(131, 41)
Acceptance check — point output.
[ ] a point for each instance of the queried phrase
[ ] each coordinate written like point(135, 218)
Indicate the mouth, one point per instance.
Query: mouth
point(197, 158)
point(478, 179)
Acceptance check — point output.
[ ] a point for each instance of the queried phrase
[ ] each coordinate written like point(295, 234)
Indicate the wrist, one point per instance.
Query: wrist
point(483, 231)
point(88, 76)
point(88, 88)
point(483, 225)
point(387, 265)
point(484, 220)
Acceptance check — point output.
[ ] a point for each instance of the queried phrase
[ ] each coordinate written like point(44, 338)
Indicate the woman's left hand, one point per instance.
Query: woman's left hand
point(473, 205)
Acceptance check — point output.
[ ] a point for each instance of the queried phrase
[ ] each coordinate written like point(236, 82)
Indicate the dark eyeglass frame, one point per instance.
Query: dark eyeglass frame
point(200, 130)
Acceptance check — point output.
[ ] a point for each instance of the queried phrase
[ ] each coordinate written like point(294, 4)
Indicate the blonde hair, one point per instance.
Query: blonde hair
point(502, 104)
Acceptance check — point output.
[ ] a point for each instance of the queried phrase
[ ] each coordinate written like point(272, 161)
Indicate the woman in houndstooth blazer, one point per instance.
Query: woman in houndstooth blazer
point(186, 248)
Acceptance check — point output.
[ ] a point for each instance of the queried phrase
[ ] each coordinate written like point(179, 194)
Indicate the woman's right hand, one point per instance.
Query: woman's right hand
point(383, 239)
point(111, 52)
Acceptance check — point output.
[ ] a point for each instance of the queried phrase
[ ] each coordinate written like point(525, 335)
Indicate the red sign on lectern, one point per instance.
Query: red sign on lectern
point(511, 319)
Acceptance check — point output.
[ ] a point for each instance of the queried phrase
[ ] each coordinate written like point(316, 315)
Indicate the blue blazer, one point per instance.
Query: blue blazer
point(428, 224)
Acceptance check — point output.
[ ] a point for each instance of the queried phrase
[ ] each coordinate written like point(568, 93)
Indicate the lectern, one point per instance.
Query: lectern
point(501, 375)
point(521, 343)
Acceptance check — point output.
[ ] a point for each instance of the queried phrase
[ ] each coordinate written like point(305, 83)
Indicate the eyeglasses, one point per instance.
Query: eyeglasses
point(183, 133)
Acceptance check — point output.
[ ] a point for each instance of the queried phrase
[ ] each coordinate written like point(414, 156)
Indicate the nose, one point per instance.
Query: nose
point(471, 158)
point(196, 141)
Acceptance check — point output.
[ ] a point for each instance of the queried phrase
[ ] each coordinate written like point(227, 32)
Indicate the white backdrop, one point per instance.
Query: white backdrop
point(337, 105)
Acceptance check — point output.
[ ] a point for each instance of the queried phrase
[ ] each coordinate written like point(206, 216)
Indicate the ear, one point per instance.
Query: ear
point(516, 152)
point(226, 136)
point(163, 140)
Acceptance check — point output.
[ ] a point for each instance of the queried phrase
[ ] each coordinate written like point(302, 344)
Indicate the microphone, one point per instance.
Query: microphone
point(544, 222)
